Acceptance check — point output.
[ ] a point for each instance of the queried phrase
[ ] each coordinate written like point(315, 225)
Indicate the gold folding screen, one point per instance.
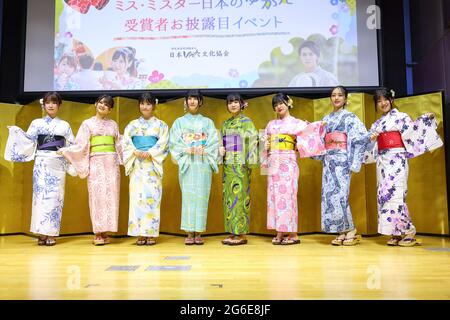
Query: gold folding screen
point(427, 196)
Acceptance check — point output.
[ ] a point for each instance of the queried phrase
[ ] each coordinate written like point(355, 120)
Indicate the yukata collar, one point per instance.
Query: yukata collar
point(49, 119)
point(142, 120)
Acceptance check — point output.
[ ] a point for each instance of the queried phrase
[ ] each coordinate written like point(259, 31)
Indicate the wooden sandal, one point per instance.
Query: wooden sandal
point(338, 241)
point(393, 241)
point(228, 239)
point(189, 241)
point(150, 241)
point(277, 241)
point(409, 242)
point(198, 240)
point(352, 241)
point(141, 241)
point(236, 241)
point(50, 242)
point(42, 240)
point(98, 241)
point(290, 241)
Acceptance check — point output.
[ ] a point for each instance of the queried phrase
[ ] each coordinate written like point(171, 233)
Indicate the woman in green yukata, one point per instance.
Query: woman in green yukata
point(194, 145)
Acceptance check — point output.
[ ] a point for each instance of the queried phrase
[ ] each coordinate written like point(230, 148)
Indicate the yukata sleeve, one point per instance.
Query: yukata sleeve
point(21, 146)
point(264, 154)
point(160, 150)
point(212, 146)
point(78, 153)
point(251, 145)
point(70, 140)
point(371, 152)
point(310, 140)
point(128, 149)
point(357, 141)
point(178, 147)
point(419, 136)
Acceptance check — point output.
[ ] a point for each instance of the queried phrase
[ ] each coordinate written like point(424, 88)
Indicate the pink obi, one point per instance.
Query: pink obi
point(336, 140)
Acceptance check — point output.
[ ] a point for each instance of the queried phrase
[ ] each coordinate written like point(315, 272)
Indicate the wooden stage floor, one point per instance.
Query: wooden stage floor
point(75, 269)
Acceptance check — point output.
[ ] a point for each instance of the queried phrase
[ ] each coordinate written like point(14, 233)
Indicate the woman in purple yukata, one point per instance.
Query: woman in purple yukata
point(395, 138)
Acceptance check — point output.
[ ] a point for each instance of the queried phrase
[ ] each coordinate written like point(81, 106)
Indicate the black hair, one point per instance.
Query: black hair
point(147, 97)
point(98, 66)
point(236, 97)
point(343, 90)
point(128, 54)
point(310, 45)
point(85, 61)
point(194, 94)
point(281, 98)
point(108, 100)
point(383, 92)
point(52, 97)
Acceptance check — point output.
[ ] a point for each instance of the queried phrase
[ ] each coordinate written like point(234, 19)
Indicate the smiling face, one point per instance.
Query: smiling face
point(282, 109)
point(338, 98)
point(146, 109)
point(66, 68)
point(51, 108)
point(193, 105)
point(234, 107)
point(308, 59)
point(120, 64)
point(384, 105)
point(102, 108)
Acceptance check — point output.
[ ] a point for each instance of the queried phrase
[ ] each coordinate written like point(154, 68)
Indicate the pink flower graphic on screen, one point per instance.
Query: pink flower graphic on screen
point(83, 6)
point(155, 77)
point(334, 29)
point(233, 73)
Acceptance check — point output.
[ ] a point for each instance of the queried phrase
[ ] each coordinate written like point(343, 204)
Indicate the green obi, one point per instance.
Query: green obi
point(102, 144)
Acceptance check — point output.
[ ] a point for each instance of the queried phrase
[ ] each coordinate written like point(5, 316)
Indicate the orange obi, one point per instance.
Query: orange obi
point(336, 140)
point(389, 140)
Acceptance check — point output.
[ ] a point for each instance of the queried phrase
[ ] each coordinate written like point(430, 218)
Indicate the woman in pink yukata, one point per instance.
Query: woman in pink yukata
point(96, 155)
point(283, 137)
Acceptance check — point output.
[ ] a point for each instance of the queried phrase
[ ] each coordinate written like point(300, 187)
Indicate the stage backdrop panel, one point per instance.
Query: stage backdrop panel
point(427, 197)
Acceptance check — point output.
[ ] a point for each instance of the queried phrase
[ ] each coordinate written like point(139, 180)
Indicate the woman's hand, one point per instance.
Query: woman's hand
point(222, 151)
point(430, 115)
point(374, 136)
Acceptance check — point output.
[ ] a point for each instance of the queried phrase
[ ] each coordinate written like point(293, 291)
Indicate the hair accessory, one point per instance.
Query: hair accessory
point(244, 104)
point(393, 93)
point(156, 101)
point(41, 102)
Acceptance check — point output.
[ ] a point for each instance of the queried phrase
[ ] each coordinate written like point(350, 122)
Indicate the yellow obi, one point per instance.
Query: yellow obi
point(282, 142)
point(102, 144)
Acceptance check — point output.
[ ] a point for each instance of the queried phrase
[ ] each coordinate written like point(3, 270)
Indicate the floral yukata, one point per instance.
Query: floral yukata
point(417, 137)
point(96, 155)
point(151, 136)
point(41, 141)
point(286, 136)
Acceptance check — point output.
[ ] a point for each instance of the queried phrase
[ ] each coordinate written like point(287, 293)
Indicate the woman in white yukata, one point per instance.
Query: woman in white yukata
point(395, 138)
point(145, 147)
point(40, 143)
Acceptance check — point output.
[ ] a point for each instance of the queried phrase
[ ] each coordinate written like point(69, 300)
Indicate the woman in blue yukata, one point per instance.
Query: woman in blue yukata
point(43, 139)
point(345, 142)
point(395, 138)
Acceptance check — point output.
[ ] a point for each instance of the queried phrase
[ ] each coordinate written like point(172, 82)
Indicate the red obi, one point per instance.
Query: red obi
point(389, 140)
point(336, 140)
